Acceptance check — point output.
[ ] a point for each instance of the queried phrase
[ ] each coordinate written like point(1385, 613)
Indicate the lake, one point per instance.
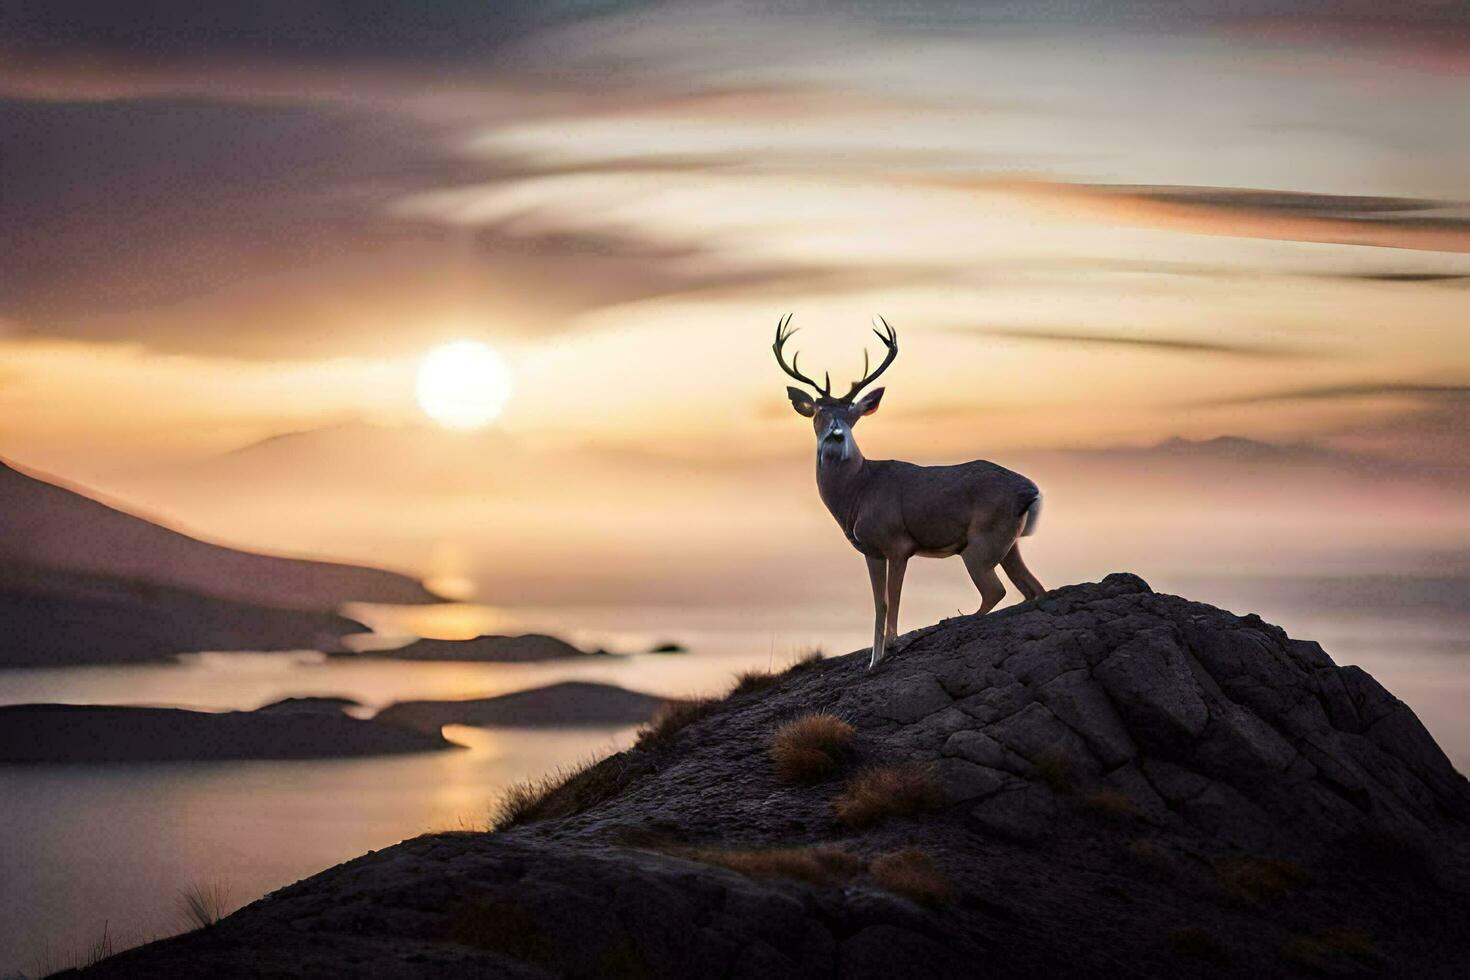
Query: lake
point(113, 845)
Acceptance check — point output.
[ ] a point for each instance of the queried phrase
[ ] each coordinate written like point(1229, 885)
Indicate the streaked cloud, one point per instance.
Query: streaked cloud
point(1166, 344)
point(1373, 389)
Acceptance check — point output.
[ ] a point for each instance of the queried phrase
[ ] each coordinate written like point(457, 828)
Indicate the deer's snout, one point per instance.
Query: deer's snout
point(834, 444)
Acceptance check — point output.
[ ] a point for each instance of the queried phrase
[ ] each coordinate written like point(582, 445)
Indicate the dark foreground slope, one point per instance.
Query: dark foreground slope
point(1128, 784)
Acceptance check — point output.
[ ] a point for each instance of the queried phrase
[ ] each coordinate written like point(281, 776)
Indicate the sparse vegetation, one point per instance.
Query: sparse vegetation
point(887, 791)
point(563, 793)
point(51, 960)
point(913, 874)
point(1335, 951)
point(204, 903)
point(1258, 879)
point(1199, 943)
point(814, 865)
point(753, 680)
point(673, 718)
point(811, 746)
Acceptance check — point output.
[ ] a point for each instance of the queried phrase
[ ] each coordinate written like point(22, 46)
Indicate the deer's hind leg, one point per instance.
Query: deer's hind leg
point(1019, 574)
point(980, 561)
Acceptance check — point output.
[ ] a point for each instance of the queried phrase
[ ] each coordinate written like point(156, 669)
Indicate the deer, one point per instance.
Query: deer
point(891, 510)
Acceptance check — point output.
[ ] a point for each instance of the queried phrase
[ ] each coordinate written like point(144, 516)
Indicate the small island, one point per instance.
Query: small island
point(525, 648)
point(58, 733)
point(570, 704)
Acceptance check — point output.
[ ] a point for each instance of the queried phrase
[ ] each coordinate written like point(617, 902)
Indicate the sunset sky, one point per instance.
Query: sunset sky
point(231, 235)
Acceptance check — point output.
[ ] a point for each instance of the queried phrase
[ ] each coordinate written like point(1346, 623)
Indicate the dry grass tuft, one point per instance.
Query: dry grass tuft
point(806, 661)
point(810, 747)
point(204, 903)
point(1199, 943)
point(673, 718)
point(1335, 951)
point(887, 791)
point(1110, 805)
point(519, 802)
point(501, 926)
point(1257, 879)
point(913, 874)
point(814, 865)
point(753, 680)
point(1175, 869)
point(1056, 771)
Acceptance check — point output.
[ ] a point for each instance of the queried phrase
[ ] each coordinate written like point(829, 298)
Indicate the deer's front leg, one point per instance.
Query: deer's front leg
point(896, 568)
point(878, 575)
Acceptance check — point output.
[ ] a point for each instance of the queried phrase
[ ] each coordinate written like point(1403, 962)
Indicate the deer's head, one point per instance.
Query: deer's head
point(833, 418)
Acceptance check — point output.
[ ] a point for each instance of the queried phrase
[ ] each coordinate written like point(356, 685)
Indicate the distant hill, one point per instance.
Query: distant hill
point(45, 524)
point(55, 618)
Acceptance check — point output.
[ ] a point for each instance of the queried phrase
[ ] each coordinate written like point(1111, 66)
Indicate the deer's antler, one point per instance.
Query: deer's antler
point(889, 337)
point(783, 334)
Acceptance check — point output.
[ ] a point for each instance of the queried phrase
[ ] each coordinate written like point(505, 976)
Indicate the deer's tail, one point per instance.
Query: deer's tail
point(1031, 516)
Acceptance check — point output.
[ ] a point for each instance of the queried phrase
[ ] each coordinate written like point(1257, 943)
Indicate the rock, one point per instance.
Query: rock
point(1149, 679)
point(1087, 775)
point(911, 699)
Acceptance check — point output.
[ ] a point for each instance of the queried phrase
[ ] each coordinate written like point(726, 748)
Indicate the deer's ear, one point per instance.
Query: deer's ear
point(868, 404)
point(802, 402)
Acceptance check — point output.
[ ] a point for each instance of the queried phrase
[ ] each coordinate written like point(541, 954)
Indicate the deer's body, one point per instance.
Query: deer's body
point(892, 511)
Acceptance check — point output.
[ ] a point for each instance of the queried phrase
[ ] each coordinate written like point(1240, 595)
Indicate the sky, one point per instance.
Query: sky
point(232, 232)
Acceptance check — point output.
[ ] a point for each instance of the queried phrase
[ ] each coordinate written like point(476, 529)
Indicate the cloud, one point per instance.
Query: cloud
point(264, 231)
point(283, 29)
point(1410, 223)
point(1374, 389)
point(1180, 345)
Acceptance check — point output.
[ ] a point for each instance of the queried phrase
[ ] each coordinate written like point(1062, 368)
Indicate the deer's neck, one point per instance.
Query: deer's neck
point(840, 484)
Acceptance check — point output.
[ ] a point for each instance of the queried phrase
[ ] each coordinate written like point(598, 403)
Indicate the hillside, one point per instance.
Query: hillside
point(59, 618)
point(45, 524)
point(1105, 781)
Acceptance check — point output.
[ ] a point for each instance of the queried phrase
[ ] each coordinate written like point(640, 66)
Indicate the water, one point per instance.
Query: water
point(86, 845)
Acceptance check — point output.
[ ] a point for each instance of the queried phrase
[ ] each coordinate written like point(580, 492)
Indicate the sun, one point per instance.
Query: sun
point(463, 385)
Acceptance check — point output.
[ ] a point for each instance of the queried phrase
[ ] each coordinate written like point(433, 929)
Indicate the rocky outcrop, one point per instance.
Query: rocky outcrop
point(569, 704)
point(1118, 783)
point(32, 733)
